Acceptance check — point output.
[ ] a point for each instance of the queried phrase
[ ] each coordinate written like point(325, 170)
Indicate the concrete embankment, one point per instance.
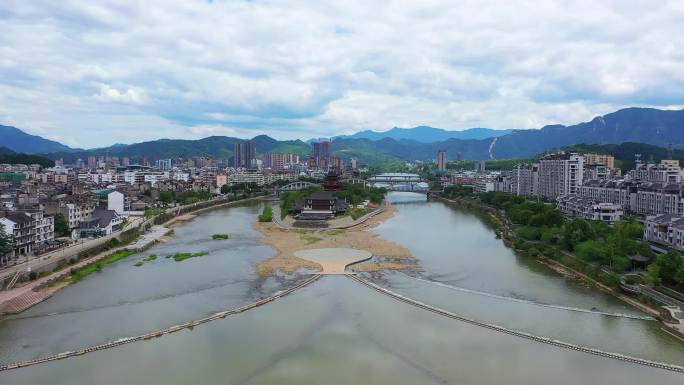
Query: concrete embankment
point(159, 333)
point(501, 329)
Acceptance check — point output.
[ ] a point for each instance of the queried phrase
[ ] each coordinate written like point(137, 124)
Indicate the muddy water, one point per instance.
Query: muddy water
point(334, 331)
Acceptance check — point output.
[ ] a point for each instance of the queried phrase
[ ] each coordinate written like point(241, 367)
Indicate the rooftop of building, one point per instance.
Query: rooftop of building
point(104, 217)
point(17, 217)
point(559, 156)
point(582, 200)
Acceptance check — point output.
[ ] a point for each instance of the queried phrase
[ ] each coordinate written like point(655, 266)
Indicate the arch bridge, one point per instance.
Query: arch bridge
point(400, 182)
point(294, 186)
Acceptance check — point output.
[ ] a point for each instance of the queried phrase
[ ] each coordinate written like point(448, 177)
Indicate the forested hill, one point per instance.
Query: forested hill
point(10, 157)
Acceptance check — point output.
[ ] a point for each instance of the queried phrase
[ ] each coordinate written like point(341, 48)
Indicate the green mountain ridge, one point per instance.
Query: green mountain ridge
point(643, 125)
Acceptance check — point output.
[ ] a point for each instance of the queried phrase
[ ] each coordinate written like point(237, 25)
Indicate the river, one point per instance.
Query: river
point(336, 331)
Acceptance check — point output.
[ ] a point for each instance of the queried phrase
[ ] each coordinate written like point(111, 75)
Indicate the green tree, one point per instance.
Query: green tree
point(679, 276)
point(575, 232)
point(653, 274)
point(590, 250)
point(61, 226)
point(166, 197)
point(6, 241)
point(669, 263)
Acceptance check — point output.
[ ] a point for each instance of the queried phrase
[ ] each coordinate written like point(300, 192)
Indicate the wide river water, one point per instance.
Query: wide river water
point(336, 331)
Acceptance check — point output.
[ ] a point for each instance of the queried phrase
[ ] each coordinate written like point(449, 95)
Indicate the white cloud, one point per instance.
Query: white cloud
point(126, 96)
point(304, 69)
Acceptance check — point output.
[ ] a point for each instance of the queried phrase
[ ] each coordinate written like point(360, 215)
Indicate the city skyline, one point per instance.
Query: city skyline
point(101, 73)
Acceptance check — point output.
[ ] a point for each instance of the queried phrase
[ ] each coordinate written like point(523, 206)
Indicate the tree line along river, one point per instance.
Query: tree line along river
point(336, 331)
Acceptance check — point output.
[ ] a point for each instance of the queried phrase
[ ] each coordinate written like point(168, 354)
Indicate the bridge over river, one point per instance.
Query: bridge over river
point(400, 182)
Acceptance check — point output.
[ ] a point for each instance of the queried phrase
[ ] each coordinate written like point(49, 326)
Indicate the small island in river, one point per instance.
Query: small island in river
point(386, 254)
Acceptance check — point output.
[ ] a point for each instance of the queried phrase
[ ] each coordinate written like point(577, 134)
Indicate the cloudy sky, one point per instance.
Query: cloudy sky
point(93, 73)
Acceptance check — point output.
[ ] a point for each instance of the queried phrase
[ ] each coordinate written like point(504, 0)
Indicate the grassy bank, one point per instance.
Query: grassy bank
point(79, 273)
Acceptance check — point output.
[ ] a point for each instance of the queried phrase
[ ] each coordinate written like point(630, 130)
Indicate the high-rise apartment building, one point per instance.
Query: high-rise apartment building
point(164, 164)
point(321, 149)
point(92, 162)
point(245, 155)
point(560, 174)
point(441, 160)
point(525, 180)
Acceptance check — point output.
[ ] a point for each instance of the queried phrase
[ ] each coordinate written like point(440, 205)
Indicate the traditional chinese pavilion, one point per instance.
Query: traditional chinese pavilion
point(332, 181)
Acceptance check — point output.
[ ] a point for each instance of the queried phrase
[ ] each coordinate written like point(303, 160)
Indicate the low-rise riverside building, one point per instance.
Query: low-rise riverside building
point(619, 192)
point(22, 228)
point(247, 176)
point(637, 197)
point(101, 223)
point(45, 229)
point(659, 198)
point(574, 206)
point(484, 184)
point(666, 230)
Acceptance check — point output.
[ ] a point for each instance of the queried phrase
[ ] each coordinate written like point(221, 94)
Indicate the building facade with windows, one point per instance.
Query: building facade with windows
point(666, 230)
point(574, 206)
point(560, 174)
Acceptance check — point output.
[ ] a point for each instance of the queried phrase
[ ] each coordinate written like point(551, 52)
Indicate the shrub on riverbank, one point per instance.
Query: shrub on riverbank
point(357, 212)
point(219, 236)
point(266, 215)
point(145, 260)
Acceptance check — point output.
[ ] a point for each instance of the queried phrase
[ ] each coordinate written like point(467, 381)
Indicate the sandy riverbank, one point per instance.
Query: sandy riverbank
point(387, 255)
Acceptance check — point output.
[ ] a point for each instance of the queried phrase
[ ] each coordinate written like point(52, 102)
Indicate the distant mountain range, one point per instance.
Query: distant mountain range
point(217, 147)
point(19, 141)
point(426, 134)
point(642, 125)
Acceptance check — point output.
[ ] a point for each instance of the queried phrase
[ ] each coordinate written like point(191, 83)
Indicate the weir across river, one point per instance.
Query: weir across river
point(375, 287)
point(159, 333)
point(544, 340)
